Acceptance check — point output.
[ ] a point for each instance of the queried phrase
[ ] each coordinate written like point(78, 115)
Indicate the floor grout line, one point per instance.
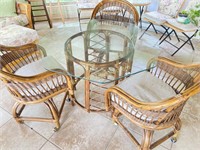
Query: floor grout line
point(111, 138)
point(6, 122)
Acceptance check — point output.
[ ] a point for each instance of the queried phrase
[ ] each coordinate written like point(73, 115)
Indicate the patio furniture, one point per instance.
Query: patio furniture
point(188, 30)
point(21, 15)
point(13, 27)
point(153, 100)
point(182, 28)
point(101, 58)
point(118, 11)
point(39, 6)
point(30, 84)
point(166, 10)
point(85, 5)
point(15, 35)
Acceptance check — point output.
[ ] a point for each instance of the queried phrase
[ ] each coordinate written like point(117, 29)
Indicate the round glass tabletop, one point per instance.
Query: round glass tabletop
point(103, 53)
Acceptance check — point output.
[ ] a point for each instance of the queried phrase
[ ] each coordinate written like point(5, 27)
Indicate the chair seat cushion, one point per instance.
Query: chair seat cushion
point(31, 69)
point(156, 17)
point(18, 20)
point(15, 35)
point(146, 87)
point(185, 27)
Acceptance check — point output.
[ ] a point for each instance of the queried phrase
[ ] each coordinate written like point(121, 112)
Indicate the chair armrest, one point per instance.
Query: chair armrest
point(141, 112)
point(170, 62)
point(139, 104)
point(37, 88)
point(25, 8)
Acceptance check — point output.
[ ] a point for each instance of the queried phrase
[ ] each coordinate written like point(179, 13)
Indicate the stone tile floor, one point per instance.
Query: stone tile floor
point(88, 131)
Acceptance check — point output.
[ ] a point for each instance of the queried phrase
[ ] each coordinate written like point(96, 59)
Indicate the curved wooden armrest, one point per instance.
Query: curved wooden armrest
point(25, 8)
point(29, 79)
point(163, 105)
point(35, 89)
point(23, 48)
point(170, 62)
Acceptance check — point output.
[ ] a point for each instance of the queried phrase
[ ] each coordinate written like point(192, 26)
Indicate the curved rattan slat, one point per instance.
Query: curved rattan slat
point(39, 88)
point(13, 58)
point(116, 10)
point(151, 116)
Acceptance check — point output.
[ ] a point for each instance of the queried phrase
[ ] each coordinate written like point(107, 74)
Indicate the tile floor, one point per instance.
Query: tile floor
point(88, 131)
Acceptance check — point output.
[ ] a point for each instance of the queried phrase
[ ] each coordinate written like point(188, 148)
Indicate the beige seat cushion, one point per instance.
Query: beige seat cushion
point(146, 87)
point(157, 17)
point(31, 69)
point(15, 35)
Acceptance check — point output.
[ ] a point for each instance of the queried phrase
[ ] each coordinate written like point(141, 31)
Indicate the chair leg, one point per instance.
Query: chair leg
point(54, 115)
point(62, 105)
point(79, 18)
point(133, 139)
point(176, 36)
point(154, 28)
point(177, 129)
point(72, 99)
point(188, 40)
point(166, 31)
point(115, 114)
point(146, 30)
point(16, 113)
point(165, 37)
point(146, 141)
point(141, 12)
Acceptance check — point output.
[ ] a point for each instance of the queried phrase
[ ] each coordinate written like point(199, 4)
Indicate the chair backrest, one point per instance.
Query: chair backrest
point(116, 10)
point(170, 7)
point(13, 58)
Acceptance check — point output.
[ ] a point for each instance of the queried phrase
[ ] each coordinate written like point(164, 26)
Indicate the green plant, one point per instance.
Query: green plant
point(194, 15)
point(184, 12)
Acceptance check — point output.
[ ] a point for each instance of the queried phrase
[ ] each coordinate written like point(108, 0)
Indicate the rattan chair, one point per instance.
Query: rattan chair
point(117, 15)
point(29, 83)
point(153, 100)
point(120, 11)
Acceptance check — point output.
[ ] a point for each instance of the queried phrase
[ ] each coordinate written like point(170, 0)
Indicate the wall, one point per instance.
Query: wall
point(70, 9)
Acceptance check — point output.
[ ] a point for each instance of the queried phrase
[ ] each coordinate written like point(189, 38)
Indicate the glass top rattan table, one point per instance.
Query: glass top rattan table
point(101, 56)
